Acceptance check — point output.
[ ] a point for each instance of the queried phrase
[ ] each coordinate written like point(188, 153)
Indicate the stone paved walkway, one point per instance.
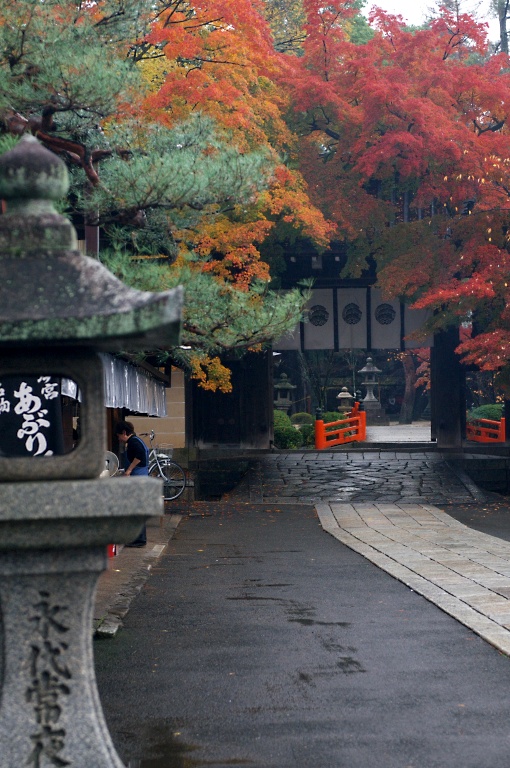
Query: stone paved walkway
point(419, 431)
point(385, 505)
point(375, 475)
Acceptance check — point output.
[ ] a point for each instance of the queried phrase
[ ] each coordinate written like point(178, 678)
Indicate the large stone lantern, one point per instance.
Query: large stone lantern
point(370, 372)
point(283, 390)
point(58, 309)
point(372, 406)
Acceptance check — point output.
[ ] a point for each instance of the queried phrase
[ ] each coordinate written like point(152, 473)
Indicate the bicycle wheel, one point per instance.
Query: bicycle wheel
point(174, 479)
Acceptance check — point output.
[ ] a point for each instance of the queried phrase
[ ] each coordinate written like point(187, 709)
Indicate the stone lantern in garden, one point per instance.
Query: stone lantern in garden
point(283, 389)
point(370, 372)
point(370, 403)
point(58, 310)
point(345, 400)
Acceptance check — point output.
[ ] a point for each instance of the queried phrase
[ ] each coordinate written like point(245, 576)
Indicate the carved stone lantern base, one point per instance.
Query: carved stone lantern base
point(51, 555)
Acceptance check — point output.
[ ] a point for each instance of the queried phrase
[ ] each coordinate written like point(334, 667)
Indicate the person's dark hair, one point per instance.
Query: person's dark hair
point(124, 426)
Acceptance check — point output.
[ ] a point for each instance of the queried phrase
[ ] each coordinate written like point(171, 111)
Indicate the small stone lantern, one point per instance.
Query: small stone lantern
point(345, 400)
point(283, 388)
point(58, 309)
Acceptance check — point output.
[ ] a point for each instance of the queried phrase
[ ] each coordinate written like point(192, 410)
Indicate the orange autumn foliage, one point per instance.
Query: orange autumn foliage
point(221, 61)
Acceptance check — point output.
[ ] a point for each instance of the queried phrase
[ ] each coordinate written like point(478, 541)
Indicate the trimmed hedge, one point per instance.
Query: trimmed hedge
point(280, 419)
point(287, 438)
point(492, 411)
point(308, 435)
point(332, 416)
point(302, 418)
point(285, 435)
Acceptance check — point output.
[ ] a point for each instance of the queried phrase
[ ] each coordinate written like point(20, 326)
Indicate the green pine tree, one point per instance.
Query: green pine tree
point(69, 73)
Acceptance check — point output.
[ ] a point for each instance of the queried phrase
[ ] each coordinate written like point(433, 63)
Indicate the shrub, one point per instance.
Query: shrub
point(302, 418)
point(287, 438)
point(492, 411)
point(281, 419)
point(308, 435)
point(332, 416)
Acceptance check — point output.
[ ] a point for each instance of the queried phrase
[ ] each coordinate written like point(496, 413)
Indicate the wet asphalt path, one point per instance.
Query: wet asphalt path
point(261, 641)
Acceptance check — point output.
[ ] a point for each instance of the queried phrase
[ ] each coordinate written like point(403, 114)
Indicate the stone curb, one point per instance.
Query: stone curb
point(492, 632)
point(115, 597)
point(477, 493)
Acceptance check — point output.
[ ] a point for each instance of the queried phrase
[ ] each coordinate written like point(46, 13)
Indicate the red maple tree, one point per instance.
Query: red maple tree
point(406, 148)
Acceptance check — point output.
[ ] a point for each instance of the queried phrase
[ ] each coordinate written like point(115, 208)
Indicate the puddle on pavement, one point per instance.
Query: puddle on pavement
point(173, 753)
point(314, 623)
point(305, 616)
point(258, 598)
point(174, 760)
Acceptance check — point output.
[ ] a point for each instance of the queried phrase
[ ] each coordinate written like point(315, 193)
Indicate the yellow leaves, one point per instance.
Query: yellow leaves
point(229, 250)
point(154, 71)
point(211, 374)
point(288, 196)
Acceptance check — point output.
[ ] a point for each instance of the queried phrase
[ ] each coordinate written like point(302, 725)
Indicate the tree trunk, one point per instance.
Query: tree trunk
point(407, 408)
point(503, 33)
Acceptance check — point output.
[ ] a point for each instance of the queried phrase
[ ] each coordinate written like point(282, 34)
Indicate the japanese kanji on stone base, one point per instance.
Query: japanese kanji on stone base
point(58, 309)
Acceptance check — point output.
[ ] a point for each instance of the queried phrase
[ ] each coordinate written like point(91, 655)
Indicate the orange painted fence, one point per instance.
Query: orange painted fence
point(349, 430)
point(486, 431)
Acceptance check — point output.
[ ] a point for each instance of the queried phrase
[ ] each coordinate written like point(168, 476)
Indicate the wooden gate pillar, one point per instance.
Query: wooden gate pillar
point(447, 389)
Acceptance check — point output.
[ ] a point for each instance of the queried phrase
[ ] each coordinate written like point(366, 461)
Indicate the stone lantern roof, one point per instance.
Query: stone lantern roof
point(51, 294)
point(284, 383)
point(369, 367)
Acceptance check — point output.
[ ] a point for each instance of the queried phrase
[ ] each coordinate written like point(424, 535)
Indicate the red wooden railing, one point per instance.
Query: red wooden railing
point(486, 431)
point(351, 429)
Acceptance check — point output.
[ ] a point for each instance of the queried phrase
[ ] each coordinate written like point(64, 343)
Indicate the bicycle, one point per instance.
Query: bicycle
point(162, 466)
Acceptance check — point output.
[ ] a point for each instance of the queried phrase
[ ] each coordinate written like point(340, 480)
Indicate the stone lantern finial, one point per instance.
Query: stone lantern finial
point(59, 296)
point(29, 172)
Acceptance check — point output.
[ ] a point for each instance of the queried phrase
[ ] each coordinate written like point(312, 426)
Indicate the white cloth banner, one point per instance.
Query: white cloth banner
point(354, 324)
point(414, 320)
point(319, 328)
point(385, 317)
point(352, 318)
